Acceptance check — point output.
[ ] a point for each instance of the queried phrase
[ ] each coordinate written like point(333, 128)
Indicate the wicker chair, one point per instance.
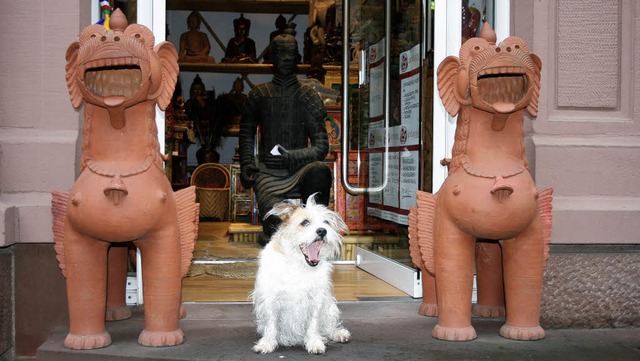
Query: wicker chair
point(212, 190)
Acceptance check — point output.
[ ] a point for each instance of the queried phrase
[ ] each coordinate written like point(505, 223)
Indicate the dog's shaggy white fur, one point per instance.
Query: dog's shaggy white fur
point(293, 296)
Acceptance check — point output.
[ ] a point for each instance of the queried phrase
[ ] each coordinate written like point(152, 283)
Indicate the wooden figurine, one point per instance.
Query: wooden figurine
point(194, 44)
point(241, 48)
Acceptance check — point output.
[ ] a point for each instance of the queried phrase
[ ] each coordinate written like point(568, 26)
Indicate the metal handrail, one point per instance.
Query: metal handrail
point(345, 100)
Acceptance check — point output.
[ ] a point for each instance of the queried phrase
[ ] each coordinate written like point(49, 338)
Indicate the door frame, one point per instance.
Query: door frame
point(153, 15)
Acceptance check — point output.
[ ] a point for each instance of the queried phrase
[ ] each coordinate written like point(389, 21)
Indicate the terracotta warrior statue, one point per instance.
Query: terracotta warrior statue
point(241, 48)
point(488, 209)
point(293, 140)
point(122, 194)
point(194, 44)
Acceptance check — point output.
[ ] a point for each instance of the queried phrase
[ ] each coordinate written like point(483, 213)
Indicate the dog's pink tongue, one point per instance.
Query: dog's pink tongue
point(313, 251)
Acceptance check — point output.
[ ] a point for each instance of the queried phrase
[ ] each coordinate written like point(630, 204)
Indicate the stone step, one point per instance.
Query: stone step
point(381, 330)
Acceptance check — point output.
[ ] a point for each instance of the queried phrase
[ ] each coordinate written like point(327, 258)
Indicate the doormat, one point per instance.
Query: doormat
point(215, 251)
point(234, 270)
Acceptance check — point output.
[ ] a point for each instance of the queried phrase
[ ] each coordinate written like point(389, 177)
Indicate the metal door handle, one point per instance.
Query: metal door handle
point(345, 101)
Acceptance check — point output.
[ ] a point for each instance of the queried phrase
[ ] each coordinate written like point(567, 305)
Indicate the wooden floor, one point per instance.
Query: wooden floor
point(350, 283)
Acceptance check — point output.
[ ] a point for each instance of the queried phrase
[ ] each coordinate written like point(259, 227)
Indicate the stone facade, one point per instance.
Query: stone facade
point(585, 142)
point(6, 300)
point(591, 287)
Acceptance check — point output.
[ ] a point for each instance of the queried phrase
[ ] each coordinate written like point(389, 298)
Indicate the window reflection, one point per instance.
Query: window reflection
point(474, 14)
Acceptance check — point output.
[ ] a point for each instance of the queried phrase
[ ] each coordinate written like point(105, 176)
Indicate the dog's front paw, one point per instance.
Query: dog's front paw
point(265, 346)
point(315, 346)
point(341, 335)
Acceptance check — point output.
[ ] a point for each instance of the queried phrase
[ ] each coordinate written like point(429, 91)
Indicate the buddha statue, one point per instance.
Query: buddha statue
point(194, 44)
point(241, 48)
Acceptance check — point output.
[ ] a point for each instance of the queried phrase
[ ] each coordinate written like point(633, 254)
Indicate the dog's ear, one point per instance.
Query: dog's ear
point(285, 209)
point(311, 201)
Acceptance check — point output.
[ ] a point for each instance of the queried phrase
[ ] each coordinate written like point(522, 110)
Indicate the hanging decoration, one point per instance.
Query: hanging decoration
point(105, 10)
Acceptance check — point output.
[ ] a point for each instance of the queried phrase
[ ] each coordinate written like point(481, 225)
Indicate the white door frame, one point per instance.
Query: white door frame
point(153, 15)
point(448, 15)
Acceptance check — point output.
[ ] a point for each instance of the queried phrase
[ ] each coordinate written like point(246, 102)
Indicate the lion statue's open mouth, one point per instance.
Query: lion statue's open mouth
point(106, 78)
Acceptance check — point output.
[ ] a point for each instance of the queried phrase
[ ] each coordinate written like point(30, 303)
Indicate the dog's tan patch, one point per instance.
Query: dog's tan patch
point(278, 247)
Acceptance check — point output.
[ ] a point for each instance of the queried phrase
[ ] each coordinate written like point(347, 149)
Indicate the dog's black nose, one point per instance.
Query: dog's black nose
point(321, 232)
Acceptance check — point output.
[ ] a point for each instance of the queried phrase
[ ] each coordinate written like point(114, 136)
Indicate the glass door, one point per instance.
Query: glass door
point(382, 152)
point(396, 129)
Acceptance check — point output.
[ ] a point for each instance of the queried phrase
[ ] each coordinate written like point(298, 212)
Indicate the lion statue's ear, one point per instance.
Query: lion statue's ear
point(449, 81)
point(71, 74)
point(532, 108)
point(162, 87)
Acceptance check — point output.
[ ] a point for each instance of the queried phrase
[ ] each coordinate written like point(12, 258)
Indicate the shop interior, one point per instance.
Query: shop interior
point(203, 120)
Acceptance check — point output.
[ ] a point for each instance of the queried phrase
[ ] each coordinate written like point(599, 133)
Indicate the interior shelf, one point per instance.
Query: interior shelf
point(245, 6)
point(243, 68)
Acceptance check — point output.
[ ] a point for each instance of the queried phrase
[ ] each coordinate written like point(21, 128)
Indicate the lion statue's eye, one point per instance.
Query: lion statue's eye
point(305, 223)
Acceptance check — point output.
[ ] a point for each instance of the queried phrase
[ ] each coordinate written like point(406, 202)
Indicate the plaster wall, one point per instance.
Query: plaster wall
point(585, 141)
point(39, 149)
point(39, 130)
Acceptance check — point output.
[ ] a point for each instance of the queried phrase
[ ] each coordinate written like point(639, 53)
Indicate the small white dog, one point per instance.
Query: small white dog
point(293, 295)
